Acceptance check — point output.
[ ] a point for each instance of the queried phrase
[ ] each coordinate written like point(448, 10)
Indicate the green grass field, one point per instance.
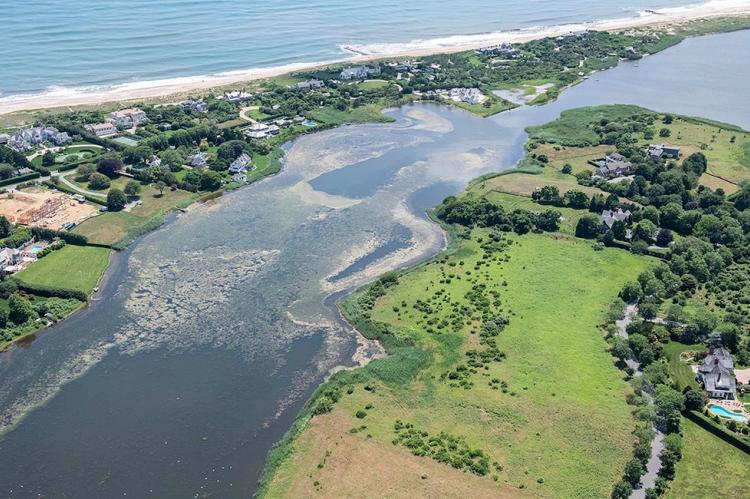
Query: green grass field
point(562, 428)
point(709, 467)
point(109, 228)
point(72, 267)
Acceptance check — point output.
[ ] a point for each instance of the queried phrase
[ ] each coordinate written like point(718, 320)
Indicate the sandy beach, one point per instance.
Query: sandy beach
point(68, 97)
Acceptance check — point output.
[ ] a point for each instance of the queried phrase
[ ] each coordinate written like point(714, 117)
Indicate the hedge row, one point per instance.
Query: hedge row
point(711, 426)
point(43, 233)
point(20, 178)
point(49, 291)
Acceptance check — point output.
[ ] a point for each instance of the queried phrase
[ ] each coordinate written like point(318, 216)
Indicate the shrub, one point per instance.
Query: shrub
point(116, 200)
point(97, 181)
point(20, 309)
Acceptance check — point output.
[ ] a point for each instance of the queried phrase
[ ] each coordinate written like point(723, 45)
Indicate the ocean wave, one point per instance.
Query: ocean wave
point(58, 95)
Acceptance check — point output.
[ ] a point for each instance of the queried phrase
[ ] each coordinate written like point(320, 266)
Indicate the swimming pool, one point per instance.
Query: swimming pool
point(36, 248)
point(725, 413)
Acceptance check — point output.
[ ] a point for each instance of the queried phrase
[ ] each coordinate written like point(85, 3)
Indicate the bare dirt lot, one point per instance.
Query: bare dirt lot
point(43, 208)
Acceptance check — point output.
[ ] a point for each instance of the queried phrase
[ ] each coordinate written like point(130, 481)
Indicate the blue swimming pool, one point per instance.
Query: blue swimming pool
point(36, 248)
point(725, 413)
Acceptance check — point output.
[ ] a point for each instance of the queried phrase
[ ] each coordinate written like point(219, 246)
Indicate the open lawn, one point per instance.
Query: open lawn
point(681, 371)
point(372, 84)
point(72, 267)
point(109, 228)
point(552, 414)
point(709, 467)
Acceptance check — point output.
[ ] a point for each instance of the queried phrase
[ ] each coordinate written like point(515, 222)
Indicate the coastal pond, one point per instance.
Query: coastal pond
point(208, 335)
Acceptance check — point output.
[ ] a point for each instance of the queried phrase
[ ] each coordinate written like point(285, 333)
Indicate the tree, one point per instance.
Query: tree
point(5, 227)
point(6, 171)
point(576, 199)
point(665, 132)
point(631, 292)
point(645, 230)
point(210, 181)
point(109, 166)
point(48, 159)
point(97, 181)
point(116, 200)
point(588, 226)
point(548, 220)
point(548, 194)
point(664, 237)
point(172, 159)
point(621, 349)
point(3, 317)
point(695, 400)
point(160, 185)
point(132, 188)
point(622, 490)
point(20, 309)
point(567, 168)
point(669, 404)
point(83, 172)
point(633, 471)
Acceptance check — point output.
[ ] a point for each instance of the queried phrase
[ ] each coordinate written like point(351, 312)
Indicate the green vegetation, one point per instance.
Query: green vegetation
point(483, 340)
point(709, 467)
point(508, 389)
point(72, 267)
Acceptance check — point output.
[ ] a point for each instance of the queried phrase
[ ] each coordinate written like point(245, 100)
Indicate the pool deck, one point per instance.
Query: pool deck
point(735, 406)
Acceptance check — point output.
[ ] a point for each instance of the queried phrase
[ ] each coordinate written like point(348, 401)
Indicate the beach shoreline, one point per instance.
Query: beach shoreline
point(156, 89)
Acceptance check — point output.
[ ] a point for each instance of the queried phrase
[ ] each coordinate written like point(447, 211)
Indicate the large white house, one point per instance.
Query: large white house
point(717, 374)
point(28, 138)
point(102, 129)
point(128, 118)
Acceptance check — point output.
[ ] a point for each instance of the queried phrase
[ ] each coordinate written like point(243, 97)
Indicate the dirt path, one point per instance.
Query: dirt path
point(245, 110)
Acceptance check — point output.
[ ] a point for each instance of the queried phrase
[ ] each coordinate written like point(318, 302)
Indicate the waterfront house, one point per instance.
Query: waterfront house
point(717, 374)
point(128, 118)
point(260, 131)
point(237, 96)
point(609, 217)
point(197, 160)
point(614, 166)
point(359, 72)
point(197, 106)
point(239, 165)
point(239, 177)
point(505, 50)
point(467, 95)
point(28, 138)
point(659, 151)
point(102, 129)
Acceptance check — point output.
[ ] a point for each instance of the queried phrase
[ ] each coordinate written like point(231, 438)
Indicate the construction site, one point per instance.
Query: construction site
point(44, 208)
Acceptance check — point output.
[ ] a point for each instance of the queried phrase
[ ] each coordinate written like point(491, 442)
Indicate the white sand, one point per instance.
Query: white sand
point(173, 86)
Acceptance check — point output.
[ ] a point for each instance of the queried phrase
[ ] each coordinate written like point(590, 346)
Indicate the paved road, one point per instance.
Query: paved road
point(64, 180)
point(648, 480)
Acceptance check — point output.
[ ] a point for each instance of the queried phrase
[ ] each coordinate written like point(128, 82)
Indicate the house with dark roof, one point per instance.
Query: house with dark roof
point(717, 374)
point(615, 165)
point(609, 217)
point(659, 151)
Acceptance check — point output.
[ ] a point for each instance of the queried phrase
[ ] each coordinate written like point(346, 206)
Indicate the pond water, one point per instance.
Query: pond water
point(209, 334)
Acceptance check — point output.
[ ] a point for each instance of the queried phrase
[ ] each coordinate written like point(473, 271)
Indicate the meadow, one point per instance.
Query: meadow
point(551, 415)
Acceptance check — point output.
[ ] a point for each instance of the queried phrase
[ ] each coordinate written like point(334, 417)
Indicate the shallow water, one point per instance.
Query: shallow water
point(53, 43)
point(211, 332)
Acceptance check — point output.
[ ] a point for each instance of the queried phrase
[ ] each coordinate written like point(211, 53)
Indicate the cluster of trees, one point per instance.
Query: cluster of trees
point(472, 212)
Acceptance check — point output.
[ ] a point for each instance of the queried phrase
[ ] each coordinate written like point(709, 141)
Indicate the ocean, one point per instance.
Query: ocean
point(54, 46)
